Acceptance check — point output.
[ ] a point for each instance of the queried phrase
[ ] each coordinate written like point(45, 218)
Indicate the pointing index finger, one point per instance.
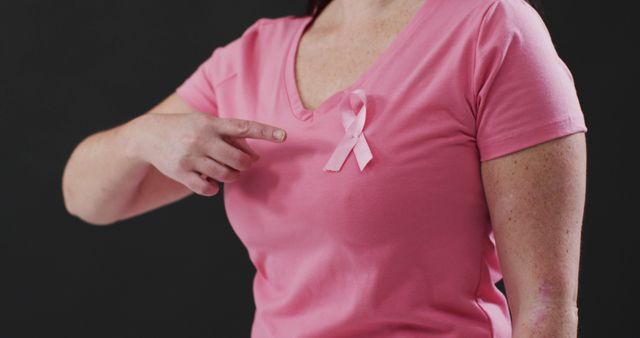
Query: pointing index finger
point(251, 129)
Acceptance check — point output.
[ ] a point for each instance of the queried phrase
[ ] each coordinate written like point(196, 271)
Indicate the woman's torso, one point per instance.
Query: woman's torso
point(402, 248)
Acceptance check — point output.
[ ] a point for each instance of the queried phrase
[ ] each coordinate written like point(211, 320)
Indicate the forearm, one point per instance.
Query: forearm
point(103, 173)
point(547, 320)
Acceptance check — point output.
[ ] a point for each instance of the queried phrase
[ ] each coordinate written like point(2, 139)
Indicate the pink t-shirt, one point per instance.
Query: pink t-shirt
point(370, 220)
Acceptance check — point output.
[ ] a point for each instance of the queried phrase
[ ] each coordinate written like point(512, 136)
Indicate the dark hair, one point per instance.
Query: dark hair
point(312, 5)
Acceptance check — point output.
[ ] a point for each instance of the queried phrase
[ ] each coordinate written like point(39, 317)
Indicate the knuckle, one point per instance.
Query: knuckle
point(244, 162)
point(265, 133)
point(191, 140)
point(204, 118)
point(239, 161)
point(206, 190)
point(184, 163)
point(215, 189)
point(198, 131)
point(210, 188)
point(207, 126)
point(201, 190)
point(227, 175)
point(201, 120)
point(203, 187)
point(192, 184)
point(242, 127)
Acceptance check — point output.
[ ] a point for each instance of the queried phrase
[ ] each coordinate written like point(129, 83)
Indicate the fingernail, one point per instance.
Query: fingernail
point(279, 134)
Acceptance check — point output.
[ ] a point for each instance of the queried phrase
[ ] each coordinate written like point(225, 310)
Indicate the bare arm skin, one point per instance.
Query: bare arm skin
point(103, 172)
point(155, 159)
point(536, 200)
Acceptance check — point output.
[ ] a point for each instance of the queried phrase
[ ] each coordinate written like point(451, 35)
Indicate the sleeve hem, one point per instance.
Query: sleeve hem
point(524, 138)
point(194, 102)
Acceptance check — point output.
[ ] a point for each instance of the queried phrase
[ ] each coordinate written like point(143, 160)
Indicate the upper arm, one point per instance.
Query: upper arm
point(536, 201)
point(530, 134)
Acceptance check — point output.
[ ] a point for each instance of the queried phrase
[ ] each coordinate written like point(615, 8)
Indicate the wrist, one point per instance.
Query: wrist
point(134, 137)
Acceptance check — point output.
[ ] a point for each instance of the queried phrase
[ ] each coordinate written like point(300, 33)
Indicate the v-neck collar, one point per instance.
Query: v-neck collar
point(291, 87)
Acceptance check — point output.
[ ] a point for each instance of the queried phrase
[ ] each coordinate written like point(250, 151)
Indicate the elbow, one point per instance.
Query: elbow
point(86, 214)
point(79, 208)
point(91, 218)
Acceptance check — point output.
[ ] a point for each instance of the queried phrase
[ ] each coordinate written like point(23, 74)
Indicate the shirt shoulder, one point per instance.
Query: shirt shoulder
point(267, 29)
point(264, 40)
point(464, 21)
point(510, 16)
point(477, 12)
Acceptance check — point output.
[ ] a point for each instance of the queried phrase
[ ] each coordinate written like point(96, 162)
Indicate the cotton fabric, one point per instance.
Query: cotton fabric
point(404, 247)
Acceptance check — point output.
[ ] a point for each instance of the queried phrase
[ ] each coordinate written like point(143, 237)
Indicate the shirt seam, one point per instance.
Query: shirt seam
point(256, 25)
point(472, 78)
point(235, 73)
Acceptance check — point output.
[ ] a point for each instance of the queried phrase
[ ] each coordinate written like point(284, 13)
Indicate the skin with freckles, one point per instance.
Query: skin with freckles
point(344, 41)
point(536, 200)
point(535, 196)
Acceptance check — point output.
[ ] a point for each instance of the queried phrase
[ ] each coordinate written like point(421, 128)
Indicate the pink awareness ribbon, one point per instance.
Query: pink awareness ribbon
point(353, 138)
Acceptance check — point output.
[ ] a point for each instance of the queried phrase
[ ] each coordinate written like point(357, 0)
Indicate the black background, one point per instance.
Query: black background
point(72, 68)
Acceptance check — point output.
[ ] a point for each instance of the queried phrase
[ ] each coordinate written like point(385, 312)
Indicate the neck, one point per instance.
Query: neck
point(349, 14)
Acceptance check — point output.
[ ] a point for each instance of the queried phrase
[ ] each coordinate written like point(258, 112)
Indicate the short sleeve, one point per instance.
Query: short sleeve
point(198, 89)
point(524, 93)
